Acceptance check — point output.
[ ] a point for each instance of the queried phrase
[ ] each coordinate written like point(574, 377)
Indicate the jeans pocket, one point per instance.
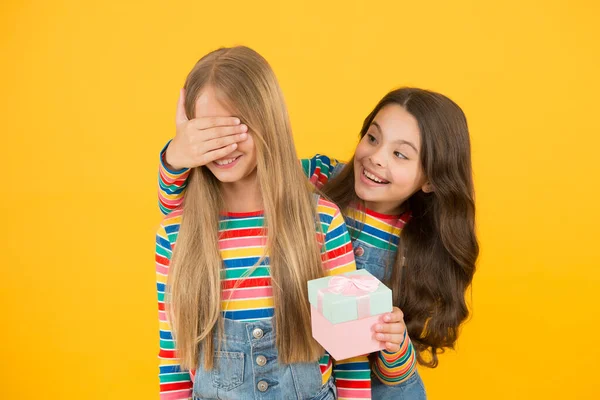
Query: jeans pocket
point(228, 371)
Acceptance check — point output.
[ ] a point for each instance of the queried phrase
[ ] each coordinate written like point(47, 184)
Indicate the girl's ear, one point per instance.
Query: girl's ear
point(427, 187)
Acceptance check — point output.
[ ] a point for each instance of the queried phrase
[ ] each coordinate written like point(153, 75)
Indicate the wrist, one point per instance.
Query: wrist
point(166, 160)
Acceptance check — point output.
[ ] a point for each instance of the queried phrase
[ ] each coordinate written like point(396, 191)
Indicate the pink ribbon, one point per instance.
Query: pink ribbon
point(353, 285)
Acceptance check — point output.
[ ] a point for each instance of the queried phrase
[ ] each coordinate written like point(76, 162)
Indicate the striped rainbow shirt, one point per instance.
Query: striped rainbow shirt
point(376, 229)
point(242, 242)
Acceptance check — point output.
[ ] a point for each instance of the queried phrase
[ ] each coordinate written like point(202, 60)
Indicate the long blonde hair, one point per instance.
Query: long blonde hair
point(248, 85)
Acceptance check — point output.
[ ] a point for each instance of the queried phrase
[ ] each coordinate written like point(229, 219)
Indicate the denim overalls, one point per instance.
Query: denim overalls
point(375, 260)
point(246, 368)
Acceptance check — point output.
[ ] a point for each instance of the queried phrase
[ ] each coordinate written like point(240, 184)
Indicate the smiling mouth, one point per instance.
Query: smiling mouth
point(373, 178)
point(226, 161)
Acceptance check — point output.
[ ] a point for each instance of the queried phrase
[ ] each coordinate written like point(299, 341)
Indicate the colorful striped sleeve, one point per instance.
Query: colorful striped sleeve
point(171, 185)
point(175, 384)
point(395, 368)
point(318, 169)
point(352, 376)
point(337, 254)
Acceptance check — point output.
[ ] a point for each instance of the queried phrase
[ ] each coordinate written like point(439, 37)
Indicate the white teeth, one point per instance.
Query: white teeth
point(225, 162)
point(372, 177)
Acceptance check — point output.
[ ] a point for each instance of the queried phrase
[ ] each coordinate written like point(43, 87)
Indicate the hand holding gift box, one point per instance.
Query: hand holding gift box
point(344, 309)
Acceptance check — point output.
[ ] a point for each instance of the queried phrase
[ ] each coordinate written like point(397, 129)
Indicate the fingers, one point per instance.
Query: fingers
point(396, 327)
point(181, 117)
point(203, 140)
point(218, 143)
point(221, 131)
point(217, 154)
point(392, 347)
point(212, 122)
point(397, 338)
point(393, 331)
point(395, 316)
point(393, 322)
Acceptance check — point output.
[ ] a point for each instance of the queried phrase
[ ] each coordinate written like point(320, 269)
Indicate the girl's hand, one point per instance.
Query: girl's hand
point(392, 330)
point(201, 141)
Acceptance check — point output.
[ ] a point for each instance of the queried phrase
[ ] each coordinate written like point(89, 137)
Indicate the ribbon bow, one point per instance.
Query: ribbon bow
point(352, 285)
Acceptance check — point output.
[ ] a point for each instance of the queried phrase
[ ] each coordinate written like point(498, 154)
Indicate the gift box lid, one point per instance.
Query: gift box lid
point(350, 296)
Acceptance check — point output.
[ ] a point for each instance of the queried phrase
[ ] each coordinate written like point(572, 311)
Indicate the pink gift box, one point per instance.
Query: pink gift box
point(344, 310)
point(348, 339)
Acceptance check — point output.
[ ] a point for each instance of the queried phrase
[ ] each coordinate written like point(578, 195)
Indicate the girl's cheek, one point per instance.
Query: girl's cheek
point(402, 178)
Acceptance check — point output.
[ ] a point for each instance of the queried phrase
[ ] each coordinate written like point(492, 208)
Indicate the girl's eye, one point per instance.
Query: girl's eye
point(400, 155)
point(371, 138)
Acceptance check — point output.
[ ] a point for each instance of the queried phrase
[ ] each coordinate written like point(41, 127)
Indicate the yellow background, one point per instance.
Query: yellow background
point(87, 99)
